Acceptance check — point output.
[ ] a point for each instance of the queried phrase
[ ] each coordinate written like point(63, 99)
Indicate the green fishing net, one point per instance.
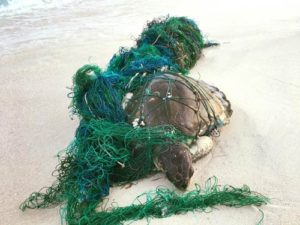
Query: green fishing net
point(108, 150)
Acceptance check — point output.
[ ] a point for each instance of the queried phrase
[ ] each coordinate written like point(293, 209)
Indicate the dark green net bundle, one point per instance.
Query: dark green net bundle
point(174, 42)
point(108, 150)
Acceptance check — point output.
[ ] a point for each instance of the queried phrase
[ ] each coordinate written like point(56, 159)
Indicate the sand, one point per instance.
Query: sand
point(257, 66)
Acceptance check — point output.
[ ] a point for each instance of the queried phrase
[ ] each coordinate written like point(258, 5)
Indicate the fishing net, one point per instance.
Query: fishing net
point(95, 95)
point(175, 43)
point(177, 38)
point(109, 148)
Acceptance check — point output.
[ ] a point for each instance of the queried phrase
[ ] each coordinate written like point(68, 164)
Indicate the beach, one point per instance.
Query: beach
point(256, 65)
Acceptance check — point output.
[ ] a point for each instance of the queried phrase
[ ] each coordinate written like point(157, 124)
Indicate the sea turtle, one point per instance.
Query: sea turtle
point(195, 108)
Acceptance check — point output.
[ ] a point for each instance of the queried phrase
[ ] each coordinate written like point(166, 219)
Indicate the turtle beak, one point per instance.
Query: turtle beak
point(182, 185)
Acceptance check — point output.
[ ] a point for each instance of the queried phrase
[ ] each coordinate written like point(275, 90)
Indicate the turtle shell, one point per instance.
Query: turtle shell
point(193, 107)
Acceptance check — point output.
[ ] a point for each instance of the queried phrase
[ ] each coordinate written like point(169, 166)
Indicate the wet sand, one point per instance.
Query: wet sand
point(256, 65)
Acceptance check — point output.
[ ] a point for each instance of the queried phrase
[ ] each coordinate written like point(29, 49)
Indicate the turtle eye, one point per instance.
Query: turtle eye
point(178, 178)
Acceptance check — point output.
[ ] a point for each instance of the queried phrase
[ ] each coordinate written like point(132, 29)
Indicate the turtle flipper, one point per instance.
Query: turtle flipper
point(202, 147)
point(176, 162)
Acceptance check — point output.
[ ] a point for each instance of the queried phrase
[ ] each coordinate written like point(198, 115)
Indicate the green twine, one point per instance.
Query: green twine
point(164, 203)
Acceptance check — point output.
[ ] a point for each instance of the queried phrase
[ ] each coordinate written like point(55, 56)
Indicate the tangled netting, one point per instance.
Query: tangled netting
point(108, 150)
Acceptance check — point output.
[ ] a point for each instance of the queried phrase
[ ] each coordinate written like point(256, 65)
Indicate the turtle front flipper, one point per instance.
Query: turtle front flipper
point(202, 147)
point(176, 162)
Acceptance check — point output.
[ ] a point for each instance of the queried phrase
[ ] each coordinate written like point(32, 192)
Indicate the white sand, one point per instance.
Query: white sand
point(257, 66)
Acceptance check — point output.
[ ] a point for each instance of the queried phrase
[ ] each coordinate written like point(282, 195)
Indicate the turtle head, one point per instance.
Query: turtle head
point(176, 161)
